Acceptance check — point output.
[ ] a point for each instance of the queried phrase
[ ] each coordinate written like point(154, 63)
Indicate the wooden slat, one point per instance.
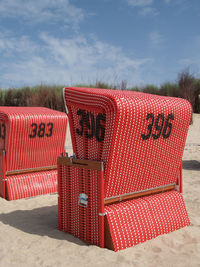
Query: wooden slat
point(23, 171)
point(81, 163)
point(16, 172)
point(133, 195)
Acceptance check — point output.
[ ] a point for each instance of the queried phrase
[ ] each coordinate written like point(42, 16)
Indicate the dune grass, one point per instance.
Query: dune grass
point(51, 96)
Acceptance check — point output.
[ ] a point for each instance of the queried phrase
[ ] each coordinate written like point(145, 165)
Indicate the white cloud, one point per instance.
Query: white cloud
point(145, 7)
point(156, 38)
point(140, 3)
point(90, 56)
point(175, 2)
point(39, 11)
point(66, 61)
point(187, 61)
point(11, 45)
point(149, 11)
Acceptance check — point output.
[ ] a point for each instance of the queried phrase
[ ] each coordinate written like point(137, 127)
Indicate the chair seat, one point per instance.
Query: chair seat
point(31, 184)
point(142, 219)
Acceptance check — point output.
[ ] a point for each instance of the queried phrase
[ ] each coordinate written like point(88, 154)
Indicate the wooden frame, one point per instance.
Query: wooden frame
point(23, 171)
point(16, 172)
point(129, 196)
point(82, 163)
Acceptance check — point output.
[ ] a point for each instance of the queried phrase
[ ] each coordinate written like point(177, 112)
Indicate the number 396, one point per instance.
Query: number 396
point(162, 126)
point(91, 126)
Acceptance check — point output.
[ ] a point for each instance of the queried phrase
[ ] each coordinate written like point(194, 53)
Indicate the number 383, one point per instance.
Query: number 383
point(158, 126)
point(41, 130)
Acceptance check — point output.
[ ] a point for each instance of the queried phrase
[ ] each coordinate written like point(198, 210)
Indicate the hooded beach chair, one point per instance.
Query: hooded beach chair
point(31, 138)
point(124, 187)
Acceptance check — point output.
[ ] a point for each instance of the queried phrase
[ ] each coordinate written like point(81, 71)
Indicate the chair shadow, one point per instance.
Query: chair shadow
point(40, 221)
point(191, 165)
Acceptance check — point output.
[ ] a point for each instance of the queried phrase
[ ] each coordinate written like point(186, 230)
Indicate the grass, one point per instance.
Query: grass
point(51, 96)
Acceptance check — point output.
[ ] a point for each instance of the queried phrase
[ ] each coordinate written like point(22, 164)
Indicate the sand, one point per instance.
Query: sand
point(29, 235)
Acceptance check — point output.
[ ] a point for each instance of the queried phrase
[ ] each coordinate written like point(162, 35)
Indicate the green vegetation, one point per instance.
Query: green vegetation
point(186, 86)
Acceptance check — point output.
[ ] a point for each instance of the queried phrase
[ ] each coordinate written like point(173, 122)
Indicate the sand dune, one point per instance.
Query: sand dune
point(29, 235)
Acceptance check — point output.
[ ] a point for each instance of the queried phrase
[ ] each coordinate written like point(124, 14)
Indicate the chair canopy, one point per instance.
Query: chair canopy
point(139, 137)
point(31, 136)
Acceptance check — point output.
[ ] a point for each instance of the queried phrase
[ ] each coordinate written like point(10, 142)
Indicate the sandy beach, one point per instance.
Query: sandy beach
point(29, 235)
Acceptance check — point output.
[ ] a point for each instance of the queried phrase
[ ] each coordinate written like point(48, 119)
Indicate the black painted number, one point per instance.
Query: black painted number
point(91, 126)
point(40, 130)
point(81, 113)
point(149, 127)
point(162, 126)
point(159, 126)
point(50, 129)
point(168, 126)
point(2, 130)
point(34, 130)
point(100, 128)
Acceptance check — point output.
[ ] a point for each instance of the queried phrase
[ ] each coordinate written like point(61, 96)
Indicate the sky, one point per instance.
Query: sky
point(66, 42)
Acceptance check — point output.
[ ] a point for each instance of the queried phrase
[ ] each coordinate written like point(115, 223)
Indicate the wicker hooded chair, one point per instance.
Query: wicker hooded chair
point(124, 187)
point(31, 138)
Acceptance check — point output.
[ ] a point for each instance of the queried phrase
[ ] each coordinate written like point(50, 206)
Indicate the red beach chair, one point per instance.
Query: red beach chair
point(139, 138)
point(31, 138)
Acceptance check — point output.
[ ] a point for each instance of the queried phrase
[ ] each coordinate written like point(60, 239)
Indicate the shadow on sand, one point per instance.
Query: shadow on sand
point(43, 221)
point(191, 165)
point(40, 221)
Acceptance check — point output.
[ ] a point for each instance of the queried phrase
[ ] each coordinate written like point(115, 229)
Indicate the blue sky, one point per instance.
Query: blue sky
point(81, 41)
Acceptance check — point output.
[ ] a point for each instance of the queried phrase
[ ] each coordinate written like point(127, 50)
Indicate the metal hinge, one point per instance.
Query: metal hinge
point(103, 214)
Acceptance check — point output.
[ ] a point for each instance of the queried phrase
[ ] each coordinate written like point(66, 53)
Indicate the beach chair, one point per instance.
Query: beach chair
point(31, 138)
point(124, 187)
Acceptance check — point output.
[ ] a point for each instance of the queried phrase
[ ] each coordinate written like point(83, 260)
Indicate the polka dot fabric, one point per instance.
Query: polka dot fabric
point(30, 138)
point(144, 137)
point(136, 221)
point(83, 222)
point(31, 184)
